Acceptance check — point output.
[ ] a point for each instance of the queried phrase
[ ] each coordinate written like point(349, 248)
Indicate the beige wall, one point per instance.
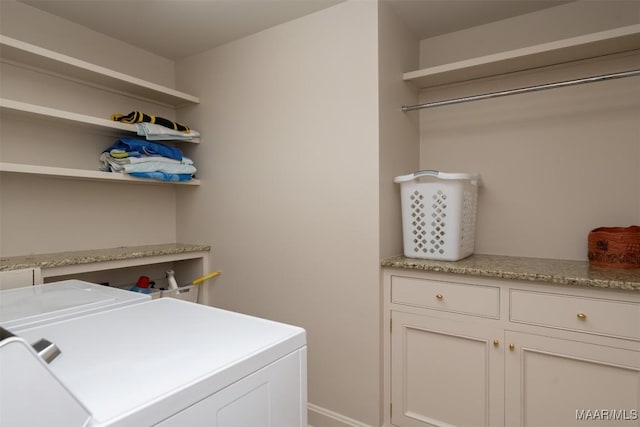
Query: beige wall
point(555, 164)
point(41, 215)
point(399, 132)
point(289, 196)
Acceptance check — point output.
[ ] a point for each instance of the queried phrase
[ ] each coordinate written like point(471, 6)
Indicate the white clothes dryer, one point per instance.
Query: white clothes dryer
point(31, 306)
point(163, 362)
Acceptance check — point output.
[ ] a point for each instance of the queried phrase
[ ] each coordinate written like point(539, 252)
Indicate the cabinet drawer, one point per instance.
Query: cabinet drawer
point(446, 296)
point(591, 315)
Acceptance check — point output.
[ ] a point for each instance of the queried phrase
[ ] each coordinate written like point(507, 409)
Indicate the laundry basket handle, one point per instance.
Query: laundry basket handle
point(473, 177)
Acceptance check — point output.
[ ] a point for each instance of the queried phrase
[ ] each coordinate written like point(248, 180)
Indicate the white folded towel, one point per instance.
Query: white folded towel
point(160, 167)
point(153, 163)
point(153, 132)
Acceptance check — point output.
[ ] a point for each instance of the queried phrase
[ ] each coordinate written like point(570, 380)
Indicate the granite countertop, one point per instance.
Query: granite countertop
point(60, 259)
point(564, 272)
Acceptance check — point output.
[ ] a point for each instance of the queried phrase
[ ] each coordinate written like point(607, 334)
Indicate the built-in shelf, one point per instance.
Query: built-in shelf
point(188, 261)
point(98, 259)
point(17, 107)
point(83, 174)
point(75, 119)
point(25, 53)
point(572, 49)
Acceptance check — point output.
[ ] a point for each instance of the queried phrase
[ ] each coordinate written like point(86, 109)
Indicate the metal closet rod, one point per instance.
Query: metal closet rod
point(523, 90)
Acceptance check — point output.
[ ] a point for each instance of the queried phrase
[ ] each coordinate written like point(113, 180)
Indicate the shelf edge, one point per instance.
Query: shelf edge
point(602, 43)
point(84, 174)
point(24, 52)
point(67, 116)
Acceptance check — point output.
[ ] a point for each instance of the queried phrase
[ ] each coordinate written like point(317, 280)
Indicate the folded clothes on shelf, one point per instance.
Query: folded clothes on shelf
point(140, 117)
point(163, 176)
point(121, 158)
point(153, 132)
point(146, 159)
point(133, 147)
point(149, 165)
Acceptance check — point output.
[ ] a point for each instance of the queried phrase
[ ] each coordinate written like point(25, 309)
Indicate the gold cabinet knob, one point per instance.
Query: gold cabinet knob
point(439, 296)
point(512, 347)
point(496, 343)
point(582, 316)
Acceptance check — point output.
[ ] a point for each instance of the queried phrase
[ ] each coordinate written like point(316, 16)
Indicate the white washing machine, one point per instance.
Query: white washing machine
point(163, 362)
point(30, 306)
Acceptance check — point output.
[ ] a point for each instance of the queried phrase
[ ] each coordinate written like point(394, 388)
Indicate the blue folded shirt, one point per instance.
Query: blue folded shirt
point(148, 148)
point(163, 176)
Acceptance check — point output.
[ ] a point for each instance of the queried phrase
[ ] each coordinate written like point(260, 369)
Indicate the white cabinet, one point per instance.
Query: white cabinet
point(552, 382)
point(445, 352)
point(466, 351)
point(607, 317)
point(445, 372)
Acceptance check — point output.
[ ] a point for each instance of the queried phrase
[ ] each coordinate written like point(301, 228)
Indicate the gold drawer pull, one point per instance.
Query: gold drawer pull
point(439, 296)
point(582, 316)
point(512, 346)
point(496, 343)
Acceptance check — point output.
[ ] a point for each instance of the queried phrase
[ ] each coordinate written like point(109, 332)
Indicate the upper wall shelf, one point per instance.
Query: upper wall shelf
point(572, 49)
point(35, 56)
point(82, 120)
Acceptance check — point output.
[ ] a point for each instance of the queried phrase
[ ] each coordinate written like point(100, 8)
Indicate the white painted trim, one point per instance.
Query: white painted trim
point(333, 419)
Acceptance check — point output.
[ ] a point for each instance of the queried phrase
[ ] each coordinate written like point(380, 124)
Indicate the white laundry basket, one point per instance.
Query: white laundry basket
point(438, 214)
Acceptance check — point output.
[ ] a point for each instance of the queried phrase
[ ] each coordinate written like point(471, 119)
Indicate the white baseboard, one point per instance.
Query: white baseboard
point(322, 417)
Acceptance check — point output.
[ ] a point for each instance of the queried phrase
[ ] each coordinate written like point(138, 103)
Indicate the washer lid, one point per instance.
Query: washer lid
point(46, 402)
point(35, 305)
point(141, 363)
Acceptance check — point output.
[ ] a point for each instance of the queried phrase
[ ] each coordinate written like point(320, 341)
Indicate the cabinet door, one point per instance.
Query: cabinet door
point(273, 396)
point(552, 382)
point(445, 373)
